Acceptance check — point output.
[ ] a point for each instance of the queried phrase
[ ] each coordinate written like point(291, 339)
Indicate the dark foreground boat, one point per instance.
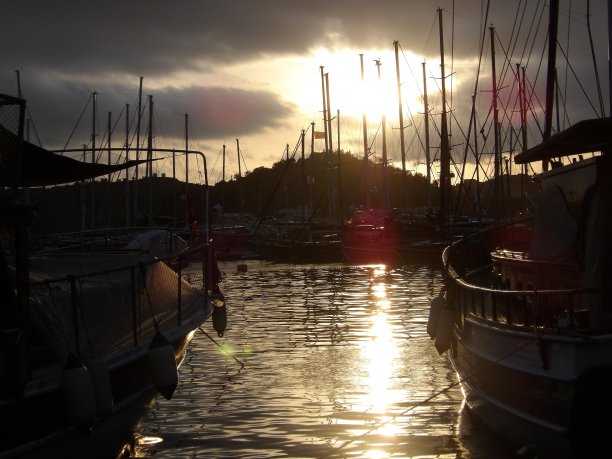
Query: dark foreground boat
point(88, 339)
point(528, 313)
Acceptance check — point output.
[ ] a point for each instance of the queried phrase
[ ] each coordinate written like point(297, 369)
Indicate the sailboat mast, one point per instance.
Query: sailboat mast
point(444, 147)
point(238, 157)
point(138, 119)
point(340, 203)
point(187, 222)
point(304, 184)
point(149, 167)
point(553, 22)
point(324, 108)
point(186, 150)
point(365, 142)
point(383, 122)
point(127, 158)
point(93, 158)
point(108, 177)
point(476, 158)
point(497, 201)
point(331, 201)
point(427, 146)
point(239, 174)
point(401, 125)
point(520, 74)
point(609, 55)
point(223, 170)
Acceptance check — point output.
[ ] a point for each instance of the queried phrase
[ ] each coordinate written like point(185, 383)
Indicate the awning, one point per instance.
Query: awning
point(40, 167)
point(583, 137)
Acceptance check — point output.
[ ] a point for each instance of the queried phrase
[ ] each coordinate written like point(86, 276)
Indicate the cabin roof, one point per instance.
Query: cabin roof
point(583, 137)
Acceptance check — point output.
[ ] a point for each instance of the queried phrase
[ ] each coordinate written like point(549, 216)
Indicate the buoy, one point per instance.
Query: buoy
point(78, 394)
point(434, 315)
point(444, 330)
point(162, 363)
point(102, 387)
point(219, 313)
point(241, 268)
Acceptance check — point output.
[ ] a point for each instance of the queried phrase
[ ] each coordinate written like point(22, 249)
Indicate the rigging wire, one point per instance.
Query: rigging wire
point(588, 15)
point(78, 122)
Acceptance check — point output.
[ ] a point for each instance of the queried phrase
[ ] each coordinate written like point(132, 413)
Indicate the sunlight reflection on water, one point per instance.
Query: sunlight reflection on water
point(337, 363)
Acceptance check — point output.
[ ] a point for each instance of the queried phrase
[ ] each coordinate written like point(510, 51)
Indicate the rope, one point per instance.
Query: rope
point(428, 399)
point(224, 351)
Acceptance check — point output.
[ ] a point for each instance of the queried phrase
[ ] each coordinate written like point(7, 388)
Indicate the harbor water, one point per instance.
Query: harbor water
point(318, 361)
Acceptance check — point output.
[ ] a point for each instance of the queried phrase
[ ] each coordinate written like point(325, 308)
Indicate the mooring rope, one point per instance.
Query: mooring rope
point(428, 399)
point(224, 351)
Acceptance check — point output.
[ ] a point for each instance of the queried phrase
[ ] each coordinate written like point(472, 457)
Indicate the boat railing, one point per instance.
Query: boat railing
point(472, 289)
point(101, 314)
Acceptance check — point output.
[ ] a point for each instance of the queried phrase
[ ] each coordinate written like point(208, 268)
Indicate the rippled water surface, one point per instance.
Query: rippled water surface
point(317, 361)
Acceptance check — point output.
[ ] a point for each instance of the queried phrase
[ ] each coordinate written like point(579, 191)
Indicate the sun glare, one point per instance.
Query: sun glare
point(350, 94)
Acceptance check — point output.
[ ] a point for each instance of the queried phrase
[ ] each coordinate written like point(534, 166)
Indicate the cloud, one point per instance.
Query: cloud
point(190, 53)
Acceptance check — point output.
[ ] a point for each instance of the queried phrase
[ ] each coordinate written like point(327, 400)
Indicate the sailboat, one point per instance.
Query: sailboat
point(89, 338)
point(525, 315)
point(391, 236)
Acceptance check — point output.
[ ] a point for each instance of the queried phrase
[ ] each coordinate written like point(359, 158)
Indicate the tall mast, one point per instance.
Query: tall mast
point(444, 147)
point(340, 203)
point(93, 159)
point(127, 158)
point(238, 157)
point(149, 164)
point(331, 199)
point(304, 184)
point(19, 93)
point(610, 55)
point(401, 125)
point(186, 148)
point(223, 171)
point(497, 201)
point(239, 174)
point(138, 119)
point(427, 146)
point(187, 222)
point(553, 21)
point(324, 108)
point(365, 142)
point(523, 107)
point(478, 205)
point(312, 137)
point(108, 177)
point(383, 121)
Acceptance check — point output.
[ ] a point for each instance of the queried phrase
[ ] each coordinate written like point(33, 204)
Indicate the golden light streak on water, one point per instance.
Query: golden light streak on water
point(337, 363)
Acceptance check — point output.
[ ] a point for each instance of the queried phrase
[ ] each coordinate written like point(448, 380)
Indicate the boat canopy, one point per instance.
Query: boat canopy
point(583, 137)
point(40, 167)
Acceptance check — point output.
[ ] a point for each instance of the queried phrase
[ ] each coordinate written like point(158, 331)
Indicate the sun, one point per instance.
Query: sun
point(375, 95)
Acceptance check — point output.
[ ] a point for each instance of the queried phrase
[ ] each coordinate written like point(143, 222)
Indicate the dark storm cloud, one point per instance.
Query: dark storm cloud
point(66, 49)
point(158, 36)
point(216, 111)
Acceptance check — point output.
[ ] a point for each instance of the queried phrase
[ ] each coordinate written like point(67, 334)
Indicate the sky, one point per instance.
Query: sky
point(251, 70)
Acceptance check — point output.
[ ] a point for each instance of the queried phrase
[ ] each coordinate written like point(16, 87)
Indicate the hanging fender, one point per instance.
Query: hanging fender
point(162, 364)
point(219, 313)
point(434, 315)
point(78, 394)
point(444, 330)
point(102, 387)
